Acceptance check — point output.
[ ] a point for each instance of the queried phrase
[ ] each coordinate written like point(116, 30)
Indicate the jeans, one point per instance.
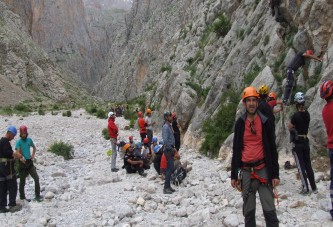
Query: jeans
point(169, 154)
point(114, 153)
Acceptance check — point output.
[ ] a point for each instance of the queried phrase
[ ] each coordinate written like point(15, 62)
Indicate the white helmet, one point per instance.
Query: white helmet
point(110, 114)
point(299, 98)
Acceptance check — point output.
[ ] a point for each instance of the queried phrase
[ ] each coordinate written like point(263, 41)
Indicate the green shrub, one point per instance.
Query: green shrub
point(55, 107)
point(132, 122)
point(266, 40)
point(68, 113)
point(105, 134)
point(62, 149)
point(22, 107)
point(250, 76)
point(7, 110)
point(91, 109)
point(166, 67)
point(54, 113)
point(220, 126)
point(41, 111)
point(222, 26)
point(101, 114)
point(241, 33)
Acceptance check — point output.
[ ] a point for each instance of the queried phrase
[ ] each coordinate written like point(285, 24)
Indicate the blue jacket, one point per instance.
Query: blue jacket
point(168, 137)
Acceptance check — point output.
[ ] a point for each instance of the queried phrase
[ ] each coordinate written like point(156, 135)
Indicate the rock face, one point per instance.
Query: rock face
point(185, 55)
point(176, 53)
point(25, 70)
point(60, 28)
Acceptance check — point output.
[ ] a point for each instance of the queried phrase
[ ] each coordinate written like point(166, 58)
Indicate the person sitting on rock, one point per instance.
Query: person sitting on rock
point(152, 146)
point(158, 152)
point(138, 149)
point(132, 164)
point(145, 154)
point(131, 141)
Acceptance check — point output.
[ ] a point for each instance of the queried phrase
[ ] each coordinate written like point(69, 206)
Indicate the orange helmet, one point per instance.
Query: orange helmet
point(148, 111)
point(309, 52)
point(272, 95)
point(250, 92)
point(126, 146)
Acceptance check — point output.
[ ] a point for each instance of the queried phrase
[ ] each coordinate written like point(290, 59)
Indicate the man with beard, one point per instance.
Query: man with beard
point(254, 165)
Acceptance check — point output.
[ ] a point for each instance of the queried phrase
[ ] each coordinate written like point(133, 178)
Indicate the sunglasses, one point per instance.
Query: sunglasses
point(253, 129)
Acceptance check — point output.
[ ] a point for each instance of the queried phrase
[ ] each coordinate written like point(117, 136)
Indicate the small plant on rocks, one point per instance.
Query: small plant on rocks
point(63, 149)
point(106, 134)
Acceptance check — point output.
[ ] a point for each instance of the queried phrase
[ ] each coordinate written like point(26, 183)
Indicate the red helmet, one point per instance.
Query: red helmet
point(173, 115)
point(23, 129)
point(130, 138)
point(146, 140)
point(139, 114)
point(309, 52)
point(272, 95)
point(326, 89)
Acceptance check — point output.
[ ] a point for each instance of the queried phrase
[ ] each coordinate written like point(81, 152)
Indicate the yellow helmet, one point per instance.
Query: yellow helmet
point(263, 90)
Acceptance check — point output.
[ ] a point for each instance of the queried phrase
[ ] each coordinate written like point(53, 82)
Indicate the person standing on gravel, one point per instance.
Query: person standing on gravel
point(299, 127)
point(113, 132)
point(142, 125)
point(150, 124)
point(168, 151)
point(8, 183)
point(254, 165)
point(26, 165)
point(326, 92)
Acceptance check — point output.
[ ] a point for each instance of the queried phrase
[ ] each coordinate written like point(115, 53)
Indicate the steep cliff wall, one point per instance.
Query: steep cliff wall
point(26, 71)
point(184, 57)
point(61, 29)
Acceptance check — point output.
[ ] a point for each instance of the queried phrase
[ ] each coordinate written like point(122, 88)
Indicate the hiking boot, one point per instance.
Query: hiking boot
point(173, 190)
point(143, 174)
point(315, 191)
point(38, 199)
point(114, 170)
point(167, 191)
point(304, 192)
point(13, 209)
point(25, 199)
point(4, 210)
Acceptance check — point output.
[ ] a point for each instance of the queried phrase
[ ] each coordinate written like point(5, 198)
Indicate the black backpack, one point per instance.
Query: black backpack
point(178, 175)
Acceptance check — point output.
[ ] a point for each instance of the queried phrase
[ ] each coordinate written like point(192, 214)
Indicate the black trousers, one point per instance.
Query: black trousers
point(9, 185)
point(177, 140)
point(301, 152)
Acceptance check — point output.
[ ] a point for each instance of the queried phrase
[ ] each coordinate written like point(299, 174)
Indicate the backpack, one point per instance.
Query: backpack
point(178, 176)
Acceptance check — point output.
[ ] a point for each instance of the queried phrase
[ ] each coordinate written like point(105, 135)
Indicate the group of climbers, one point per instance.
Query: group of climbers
point(8, 157)
point(254, 166)
point(138, 156)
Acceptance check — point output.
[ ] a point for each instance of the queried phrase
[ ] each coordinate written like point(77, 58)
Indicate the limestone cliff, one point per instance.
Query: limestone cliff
point(26, 72)
point(182, 58)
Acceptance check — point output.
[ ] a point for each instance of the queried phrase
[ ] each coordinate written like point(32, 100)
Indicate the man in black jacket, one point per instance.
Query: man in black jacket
point(7, 172)
point(254, 165)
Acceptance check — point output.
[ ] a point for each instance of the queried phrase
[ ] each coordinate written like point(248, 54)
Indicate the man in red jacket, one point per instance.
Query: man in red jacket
point(113, 132)
point(142, 125)
point(326, 92)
